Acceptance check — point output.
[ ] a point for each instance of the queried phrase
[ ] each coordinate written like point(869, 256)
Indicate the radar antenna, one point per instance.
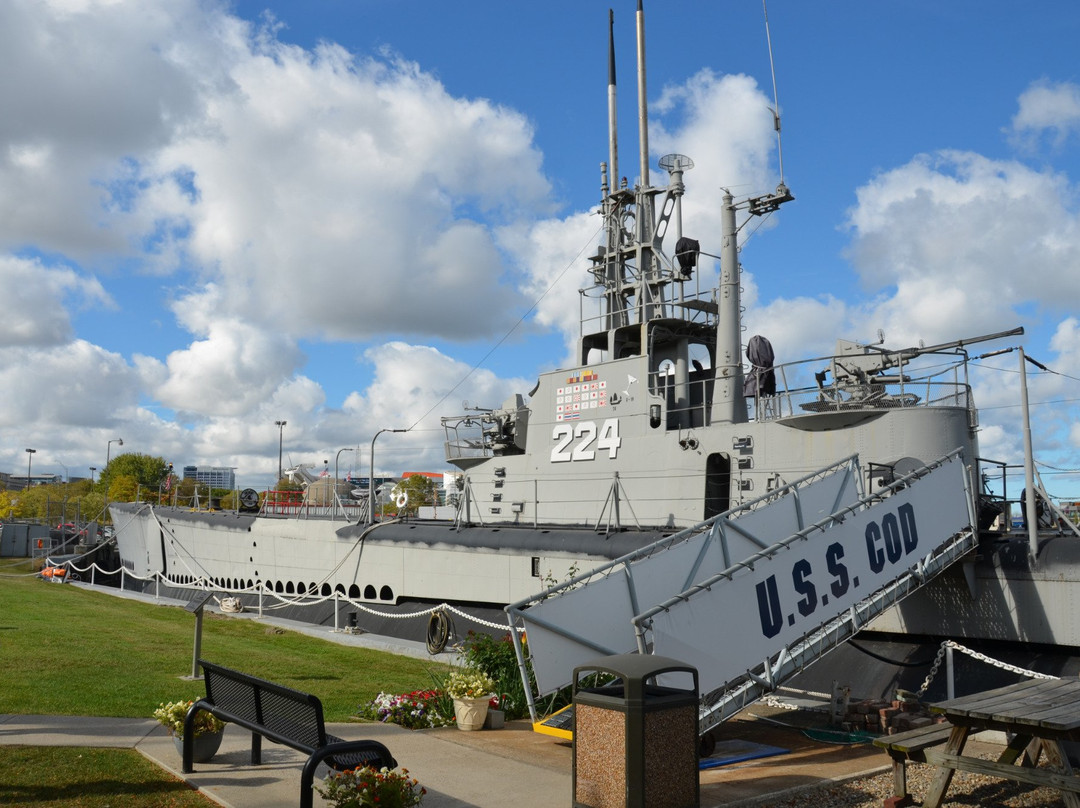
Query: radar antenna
point(759, 206)
point(776, 96)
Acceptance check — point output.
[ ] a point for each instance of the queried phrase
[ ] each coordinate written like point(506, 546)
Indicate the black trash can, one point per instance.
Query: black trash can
point(635, 740)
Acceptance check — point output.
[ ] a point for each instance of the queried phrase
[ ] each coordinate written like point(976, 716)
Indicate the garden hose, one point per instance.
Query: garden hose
point(439, 629)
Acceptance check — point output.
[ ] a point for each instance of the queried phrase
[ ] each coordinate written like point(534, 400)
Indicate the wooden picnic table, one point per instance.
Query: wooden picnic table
point(1038, 715)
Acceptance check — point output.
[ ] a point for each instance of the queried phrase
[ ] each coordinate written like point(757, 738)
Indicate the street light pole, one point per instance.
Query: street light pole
point(371, 476)
point(108, 449)
point(29, 463)
point(336, 457)
point(92, 470)
point(280, 430)
point(108, 455)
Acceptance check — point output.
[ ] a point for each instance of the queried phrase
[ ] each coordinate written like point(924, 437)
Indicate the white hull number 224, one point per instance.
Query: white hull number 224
point(574, 440)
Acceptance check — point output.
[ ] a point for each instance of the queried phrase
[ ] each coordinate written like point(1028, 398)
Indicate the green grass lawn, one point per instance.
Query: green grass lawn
point(67, 650)
point(72, 777)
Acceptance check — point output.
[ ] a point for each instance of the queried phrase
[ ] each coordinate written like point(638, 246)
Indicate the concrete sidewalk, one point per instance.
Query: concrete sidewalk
point(488, 769)
point(455, 775)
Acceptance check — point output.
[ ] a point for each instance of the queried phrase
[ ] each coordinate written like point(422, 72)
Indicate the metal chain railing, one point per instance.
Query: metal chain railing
point(997, 663)
point(296, 601)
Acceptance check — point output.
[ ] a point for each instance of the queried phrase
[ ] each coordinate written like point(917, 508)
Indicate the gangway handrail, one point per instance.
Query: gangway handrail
point(790, 651)
point(721, 703)
point(819, 526)
point(712, 529)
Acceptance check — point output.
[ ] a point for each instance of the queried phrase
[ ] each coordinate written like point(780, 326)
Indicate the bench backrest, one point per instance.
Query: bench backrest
point(282, 710)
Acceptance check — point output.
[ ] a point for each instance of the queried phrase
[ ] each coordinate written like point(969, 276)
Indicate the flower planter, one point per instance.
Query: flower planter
point(470, 713)
point(206, 746)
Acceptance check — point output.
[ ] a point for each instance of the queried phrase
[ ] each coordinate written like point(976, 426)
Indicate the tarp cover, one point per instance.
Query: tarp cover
point(761, 380)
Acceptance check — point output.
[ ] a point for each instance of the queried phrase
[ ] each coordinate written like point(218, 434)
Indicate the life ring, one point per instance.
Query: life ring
point(402, 498)
point(40, 544)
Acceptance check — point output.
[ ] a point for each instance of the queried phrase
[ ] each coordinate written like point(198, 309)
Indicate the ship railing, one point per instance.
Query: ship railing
point(692, 410)
point(292, 504)
point(465, 437)
point(632, 500)
point(944, 388)
point(1009, 508)
point(692, 305)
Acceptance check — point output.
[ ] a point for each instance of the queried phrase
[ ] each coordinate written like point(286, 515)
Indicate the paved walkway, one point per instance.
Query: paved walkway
point(455, 775)
point(459, 769)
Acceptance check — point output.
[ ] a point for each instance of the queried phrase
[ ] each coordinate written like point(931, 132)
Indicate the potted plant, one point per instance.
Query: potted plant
point(208, 728)
point(472, 690)
point(366, 787)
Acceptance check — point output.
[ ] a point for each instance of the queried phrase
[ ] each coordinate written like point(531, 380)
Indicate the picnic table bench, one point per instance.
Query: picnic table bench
point(282, 715)
point(909, 746)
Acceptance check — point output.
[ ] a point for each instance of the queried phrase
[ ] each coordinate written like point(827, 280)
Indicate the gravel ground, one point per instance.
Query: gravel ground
point(966, 789)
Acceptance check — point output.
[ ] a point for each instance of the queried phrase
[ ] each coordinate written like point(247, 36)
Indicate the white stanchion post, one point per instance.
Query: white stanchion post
point(950, 673)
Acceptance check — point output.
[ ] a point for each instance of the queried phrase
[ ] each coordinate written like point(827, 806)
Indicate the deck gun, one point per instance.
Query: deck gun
point(859, 363)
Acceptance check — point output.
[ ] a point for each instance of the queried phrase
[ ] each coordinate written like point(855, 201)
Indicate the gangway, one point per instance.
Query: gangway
point(750, 625)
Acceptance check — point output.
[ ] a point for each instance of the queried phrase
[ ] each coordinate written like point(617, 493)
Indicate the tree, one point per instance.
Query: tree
point(185, 491)
point(123, 488)
point(145, 471)
point(33, 502)
point(421, 491)
point(7, 505)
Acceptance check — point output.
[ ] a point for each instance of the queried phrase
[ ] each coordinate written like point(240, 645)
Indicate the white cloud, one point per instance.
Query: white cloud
point(961, 241)
point(86, 88)
point(413, 387)
point(294, 195)
point(230, 372)
point(71, 385)
point(799, 328)
point(289, 196)
point(1047, 107)
point(724, 124)
point(333, 197)
point(36, 300)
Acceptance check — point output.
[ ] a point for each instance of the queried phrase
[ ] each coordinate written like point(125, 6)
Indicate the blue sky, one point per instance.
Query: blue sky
point(214, 216)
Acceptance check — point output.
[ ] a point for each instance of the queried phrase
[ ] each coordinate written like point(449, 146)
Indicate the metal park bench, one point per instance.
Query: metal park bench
point(284, 716)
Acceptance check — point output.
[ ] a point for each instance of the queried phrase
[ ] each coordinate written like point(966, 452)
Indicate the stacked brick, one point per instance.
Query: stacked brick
point(886, 717)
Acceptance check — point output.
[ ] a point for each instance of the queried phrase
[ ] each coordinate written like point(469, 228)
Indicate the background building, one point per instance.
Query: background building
point(17, 481)
point(214, 476)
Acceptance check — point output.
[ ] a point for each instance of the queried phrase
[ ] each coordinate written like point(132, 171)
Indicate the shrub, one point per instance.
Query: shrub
point(367, 787)
point(496, 657)
point(417, 710)
point(172, 716)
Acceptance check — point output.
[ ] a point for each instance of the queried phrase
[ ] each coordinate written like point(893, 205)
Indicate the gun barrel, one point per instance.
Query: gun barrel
point(944, 346)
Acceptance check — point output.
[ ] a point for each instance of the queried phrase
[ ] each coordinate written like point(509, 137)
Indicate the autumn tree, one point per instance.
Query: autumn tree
point(54, 503)
point(128, 472)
